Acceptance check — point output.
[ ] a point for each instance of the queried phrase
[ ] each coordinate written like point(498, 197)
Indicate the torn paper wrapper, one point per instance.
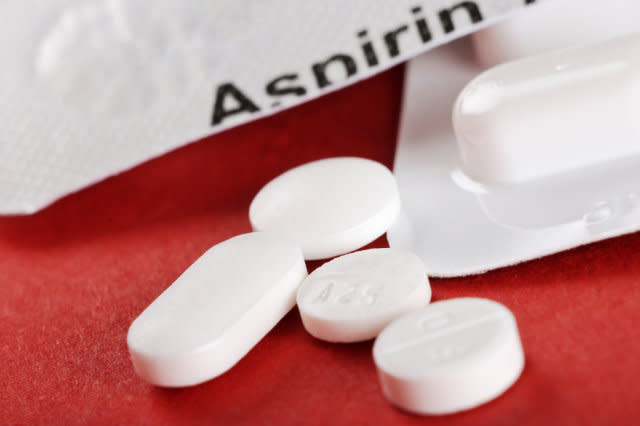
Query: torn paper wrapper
point(91, 88)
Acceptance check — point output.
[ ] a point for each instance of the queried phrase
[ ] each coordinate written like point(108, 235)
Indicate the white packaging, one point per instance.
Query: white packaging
point(444, 223)
point(553, 138)
point(557, 23)
point(91, 88)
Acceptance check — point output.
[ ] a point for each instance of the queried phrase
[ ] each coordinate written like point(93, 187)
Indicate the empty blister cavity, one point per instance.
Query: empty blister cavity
point(353, 297)
point(549, 139)
point(555, 24)
point(329, 207)
point(449, 356)
point(216, 311)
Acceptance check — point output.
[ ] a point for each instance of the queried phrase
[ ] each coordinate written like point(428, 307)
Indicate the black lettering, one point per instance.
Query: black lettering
point(274, 88)
point(391, 39)
point(447, 21)
point(243, 103)
point(367, 48)
point(421, 24)
point(320, 68)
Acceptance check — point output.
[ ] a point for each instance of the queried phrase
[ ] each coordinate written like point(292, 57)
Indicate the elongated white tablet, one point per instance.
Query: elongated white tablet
point(550, 114)
point(449, 356)
point(329, 207)
point(555, 24)
point(216, 311)
point(353, 297)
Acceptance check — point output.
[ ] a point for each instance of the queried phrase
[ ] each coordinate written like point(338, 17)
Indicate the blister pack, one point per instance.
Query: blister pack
point(541, 154)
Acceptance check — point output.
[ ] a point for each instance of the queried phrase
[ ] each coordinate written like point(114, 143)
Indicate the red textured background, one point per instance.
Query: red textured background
point(75, 275)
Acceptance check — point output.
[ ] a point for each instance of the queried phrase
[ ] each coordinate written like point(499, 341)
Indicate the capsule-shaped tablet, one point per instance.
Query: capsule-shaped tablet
point(555, 24)
point(217, 310)
point(449, 356)
point(550, 114)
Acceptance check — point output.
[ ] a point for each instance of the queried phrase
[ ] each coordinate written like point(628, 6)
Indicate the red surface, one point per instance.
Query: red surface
point(74, 276)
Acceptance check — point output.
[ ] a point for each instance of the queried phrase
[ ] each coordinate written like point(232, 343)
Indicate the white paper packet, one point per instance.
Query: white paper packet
point(91, 88)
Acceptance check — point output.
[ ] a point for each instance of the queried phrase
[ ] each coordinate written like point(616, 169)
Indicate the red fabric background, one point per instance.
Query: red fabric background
point(74, 276)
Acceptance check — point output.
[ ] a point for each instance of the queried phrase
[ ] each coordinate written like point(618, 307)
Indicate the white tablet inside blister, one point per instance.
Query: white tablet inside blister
point(441, 222)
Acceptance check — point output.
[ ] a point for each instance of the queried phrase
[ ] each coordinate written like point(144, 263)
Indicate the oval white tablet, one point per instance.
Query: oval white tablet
point(353, 297)
point(449, 356)
point(217, 310)
point(329, 207)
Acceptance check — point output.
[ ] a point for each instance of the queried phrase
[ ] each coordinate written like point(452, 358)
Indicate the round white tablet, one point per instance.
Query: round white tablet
point(217, 310)
point(329, 207)
point(449, 356)
point(353, 297)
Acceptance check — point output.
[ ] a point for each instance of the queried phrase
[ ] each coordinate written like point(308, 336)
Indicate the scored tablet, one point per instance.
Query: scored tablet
point(449, 356)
